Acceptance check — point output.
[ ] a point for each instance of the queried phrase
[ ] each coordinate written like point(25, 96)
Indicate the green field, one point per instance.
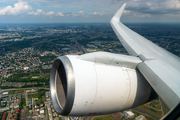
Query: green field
point(137, 114)
point(16, 92)
point(152, 110)
point(35, 77)
point(107, 117)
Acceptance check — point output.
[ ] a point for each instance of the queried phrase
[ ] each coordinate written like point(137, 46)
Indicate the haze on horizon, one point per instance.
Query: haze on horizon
point(70, 11)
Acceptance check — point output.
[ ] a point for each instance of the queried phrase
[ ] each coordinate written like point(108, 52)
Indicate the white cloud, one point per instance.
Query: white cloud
point(134, 8)
point(126, 11)
point(50, 13)
point(102, 13)
point(80, 12)
point(38, 12)
point(173, 4)
point(41, 12)
point(98, 13)
point(60, 14)
point(18, 8)
point(76, 14)
point(155, 7)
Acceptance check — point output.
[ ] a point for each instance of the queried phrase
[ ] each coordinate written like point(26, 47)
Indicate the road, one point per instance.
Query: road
point(80, 47)
point(24, 88)
point(146, 112)
point(46, 115)
point(153, 108)
point(8, 116)
point(26, 97)
point(32, 117)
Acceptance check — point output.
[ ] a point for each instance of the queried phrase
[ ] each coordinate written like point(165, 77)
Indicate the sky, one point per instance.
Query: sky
point(73, 11)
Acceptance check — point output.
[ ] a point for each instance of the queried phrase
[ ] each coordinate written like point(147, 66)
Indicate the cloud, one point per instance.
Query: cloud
point(50, 13)
point(61, 3)
point(126, 11)
point(63, 13)
point(155, 7)
point(98, 13)
point(67, 13)
point(143, 15)
point(41, 12)
point(60, 14)
point(78, 14)
point(95, 13)
point(101, 9)
point(18, 8)
point(38, 12)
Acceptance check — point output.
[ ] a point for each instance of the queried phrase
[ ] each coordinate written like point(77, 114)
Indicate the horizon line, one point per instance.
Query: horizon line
point(90, 22)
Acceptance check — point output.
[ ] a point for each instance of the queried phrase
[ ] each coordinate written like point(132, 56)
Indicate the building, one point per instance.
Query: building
point(47, 94)
point(16, 105)
point(3, 99)
point(129, 114)
point(14, 96)
point(4, 116)
point(55, 114)
point(10, 96)
point(36, 107)
point(5, 93)
point(17, 110)
point(41, 111)
point(36, 112)
point(56, 118)
point(1, 66)
point(41, 105)
point(26, 68)
point(11, 105)
point(19, 95)
point(31, 101)
point(140, 117)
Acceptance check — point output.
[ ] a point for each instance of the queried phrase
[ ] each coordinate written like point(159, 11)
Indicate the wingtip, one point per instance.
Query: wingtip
point(119, 12)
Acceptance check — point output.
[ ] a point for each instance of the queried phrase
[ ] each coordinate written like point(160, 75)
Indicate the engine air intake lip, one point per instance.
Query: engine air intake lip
point(62, 85)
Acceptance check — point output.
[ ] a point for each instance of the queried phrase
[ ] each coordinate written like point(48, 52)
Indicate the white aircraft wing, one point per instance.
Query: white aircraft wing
point(160, 67)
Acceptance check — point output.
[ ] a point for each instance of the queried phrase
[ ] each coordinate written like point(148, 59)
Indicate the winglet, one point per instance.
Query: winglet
point(118, 14)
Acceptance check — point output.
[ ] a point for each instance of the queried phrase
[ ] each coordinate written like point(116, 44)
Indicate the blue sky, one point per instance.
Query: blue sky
point(60, 11)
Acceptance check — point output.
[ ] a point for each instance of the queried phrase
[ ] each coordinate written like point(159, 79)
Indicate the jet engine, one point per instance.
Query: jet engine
point(97, 83)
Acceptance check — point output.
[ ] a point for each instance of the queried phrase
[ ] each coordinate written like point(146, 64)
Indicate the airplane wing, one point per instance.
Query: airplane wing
point(160, 67)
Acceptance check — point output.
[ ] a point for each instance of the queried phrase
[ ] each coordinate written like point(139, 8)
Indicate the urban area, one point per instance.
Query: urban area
point(27, 52)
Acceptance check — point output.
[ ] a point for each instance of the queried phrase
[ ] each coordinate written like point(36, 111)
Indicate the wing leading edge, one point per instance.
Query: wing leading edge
point(160, 67)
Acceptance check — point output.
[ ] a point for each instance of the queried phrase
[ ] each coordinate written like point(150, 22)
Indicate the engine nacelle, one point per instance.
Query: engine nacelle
point(97, 83)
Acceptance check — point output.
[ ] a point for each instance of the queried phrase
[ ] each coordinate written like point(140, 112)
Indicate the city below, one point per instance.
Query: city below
point(27, 52)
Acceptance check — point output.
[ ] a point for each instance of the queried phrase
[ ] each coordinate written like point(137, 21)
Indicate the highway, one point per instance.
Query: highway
point(24, 88)
point(146, 112)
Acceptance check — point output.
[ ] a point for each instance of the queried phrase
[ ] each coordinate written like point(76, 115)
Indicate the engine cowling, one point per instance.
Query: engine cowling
point(97, 83)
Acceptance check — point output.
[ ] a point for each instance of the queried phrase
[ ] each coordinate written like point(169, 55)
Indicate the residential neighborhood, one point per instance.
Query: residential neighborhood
point(28, 52)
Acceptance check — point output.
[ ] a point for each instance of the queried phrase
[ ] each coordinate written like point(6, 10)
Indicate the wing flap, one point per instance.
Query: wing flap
point(164, 82)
